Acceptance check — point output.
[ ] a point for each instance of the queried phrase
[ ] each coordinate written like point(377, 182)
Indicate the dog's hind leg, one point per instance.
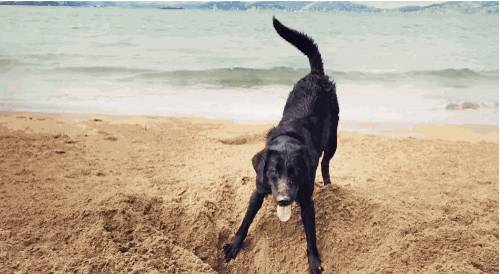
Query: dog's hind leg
point(231, 250)
point(330, 149)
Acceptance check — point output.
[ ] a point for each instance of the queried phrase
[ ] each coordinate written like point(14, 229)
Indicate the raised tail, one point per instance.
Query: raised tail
point(304, 43)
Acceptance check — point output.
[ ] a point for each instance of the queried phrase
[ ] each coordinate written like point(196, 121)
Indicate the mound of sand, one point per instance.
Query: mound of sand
point(164, 195)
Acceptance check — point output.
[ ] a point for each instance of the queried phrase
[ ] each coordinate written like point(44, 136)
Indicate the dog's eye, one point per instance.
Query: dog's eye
point(272, 171)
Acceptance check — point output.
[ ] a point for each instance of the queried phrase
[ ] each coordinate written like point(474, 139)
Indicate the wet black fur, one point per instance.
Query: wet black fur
point(307, 130)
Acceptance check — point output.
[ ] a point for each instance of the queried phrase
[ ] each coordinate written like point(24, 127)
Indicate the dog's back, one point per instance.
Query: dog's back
point(313, 100)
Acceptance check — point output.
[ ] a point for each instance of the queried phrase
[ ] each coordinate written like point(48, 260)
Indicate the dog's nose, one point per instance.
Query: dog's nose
point(283, 200)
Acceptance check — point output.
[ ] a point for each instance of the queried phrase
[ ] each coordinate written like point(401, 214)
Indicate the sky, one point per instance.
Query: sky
point(376, 4)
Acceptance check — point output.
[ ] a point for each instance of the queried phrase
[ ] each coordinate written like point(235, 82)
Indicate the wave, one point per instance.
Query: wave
point(451, 73)
point(8, 64)
point(247, 77)
point(103, 70)
point(234, 77)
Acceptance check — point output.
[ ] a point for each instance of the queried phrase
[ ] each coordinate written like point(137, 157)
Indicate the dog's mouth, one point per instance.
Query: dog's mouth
point(283, 200)
point(284, 212)
point(284, 204)
point(284, 196)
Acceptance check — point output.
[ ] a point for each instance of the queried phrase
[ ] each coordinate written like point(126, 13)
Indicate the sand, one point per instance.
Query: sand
point(103, 194)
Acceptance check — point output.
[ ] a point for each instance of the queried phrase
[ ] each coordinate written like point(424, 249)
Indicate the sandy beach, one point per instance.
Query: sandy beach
point(104, 194)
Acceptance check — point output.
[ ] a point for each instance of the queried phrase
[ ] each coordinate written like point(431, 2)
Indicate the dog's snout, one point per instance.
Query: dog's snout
point(283, 195)
point(283, 200)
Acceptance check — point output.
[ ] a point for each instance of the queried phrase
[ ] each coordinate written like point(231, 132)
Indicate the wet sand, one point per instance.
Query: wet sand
point(104, 194)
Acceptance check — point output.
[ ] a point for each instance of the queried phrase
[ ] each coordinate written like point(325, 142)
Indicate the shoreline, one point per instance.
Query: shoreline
point(47, 121)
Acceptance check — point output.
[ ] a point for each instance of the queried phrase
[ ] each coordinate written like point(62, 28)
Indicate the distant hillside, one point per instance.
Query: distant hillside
point(455, 7)
point(342, 6)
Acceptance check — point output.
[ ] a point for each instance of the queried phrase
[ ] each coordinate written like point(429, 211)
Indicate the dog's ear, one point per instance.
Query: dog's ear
point(259, 161)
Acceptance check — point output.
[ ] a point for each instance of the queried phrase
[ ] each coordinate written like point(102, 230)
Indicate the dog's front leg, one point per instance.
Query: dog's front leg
point(308, 219)
point(231, 250)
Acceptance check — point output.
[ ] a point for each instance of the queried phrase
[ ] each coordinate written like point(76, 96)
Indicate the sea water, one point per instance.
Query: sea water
point(233, 64)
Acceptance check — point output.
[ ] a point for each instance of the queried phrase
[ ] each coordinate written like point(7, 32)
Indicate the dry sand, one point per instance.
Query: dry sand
point(157, 195)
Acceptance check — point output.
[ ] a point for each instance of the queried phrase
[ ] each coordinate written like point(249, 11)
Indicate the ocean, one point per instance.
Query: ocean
point(402, 68)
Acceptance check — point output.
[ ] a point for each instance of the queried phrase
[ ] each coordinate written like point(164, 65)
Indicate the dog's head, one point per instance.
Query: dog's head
point(282, 167)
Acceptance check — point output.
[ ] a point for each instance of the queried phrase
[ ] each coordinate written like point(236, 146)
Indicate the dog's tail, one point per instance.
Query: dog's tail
point(304, 43)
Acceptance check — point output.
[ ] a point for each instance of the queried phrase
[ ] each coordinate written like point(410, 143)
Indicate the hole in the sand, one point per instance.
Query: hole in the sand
point(123, 249)
point(147, 208)
point(242, 139)
point(222, 240)
point(109, 228)
point(478, 266)
point(59, 135)
point(245, 179)
point(235, 141)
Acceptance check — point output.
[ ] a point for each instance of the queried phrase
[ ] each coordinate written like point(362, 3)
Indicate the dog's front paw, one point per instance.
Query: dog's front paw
point(315, 265)
point(232, 249)
point(317, 270)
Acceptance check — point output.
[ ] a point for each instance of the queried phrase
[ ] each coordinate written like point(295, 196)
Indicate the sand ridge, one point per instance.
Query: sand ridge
point(162, 195)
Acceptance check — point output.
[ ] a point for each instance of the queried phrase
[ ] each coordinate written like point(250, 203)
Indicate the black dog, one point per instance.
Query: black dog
point(286, 167)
